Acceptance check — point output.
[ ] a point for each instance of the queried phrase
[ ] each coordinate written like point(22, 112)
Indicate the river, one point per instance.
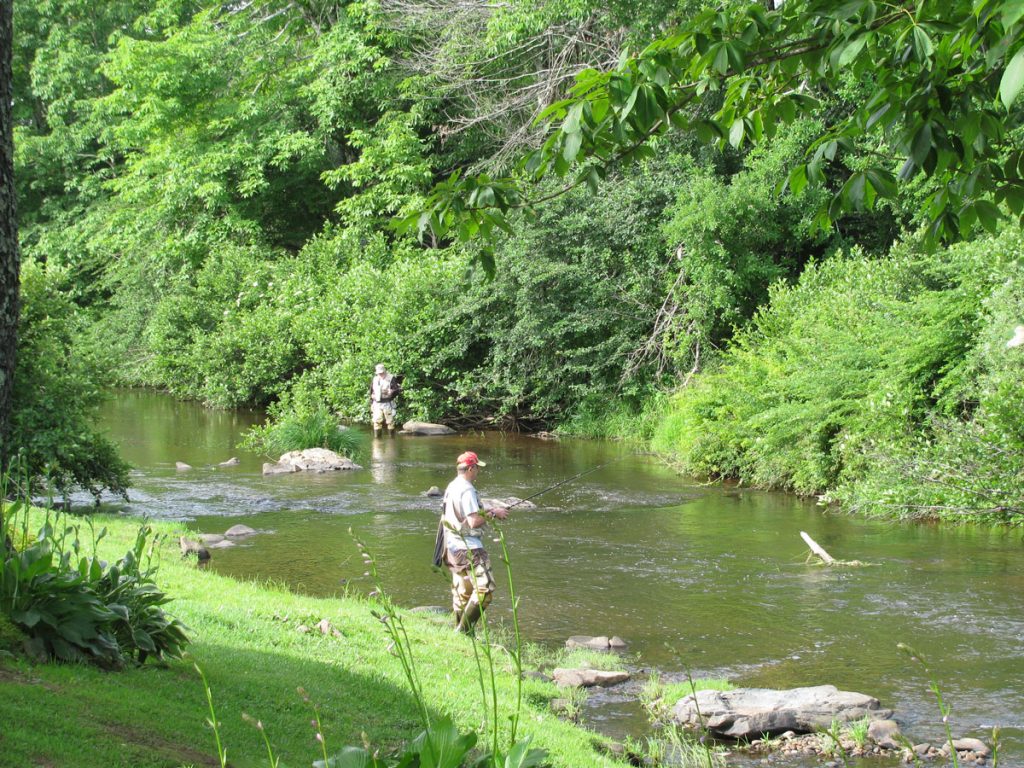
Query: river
point(709, 578)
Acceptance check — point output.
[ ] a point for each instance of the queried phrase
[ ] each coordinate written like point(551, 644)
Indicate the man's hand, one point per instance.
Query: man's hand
point(499, 512)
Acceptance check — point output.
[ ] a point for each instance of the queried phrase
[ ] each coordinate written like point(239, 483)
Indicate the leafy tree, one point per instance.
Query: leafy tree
point(945, 79)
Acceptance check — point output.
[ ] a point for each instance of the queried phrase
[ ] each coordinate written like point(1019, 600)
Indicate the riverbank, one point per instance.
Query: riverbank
point(247, 639)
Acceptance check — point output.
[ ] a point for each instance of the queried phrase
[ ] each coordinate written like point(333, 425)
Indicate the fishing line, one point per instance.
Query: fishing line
point(568, 480)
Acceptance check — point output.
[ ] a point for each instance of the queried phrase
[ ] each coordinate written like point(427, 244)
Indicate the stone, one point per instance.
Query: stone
point(222, 544)
point(232, 462)
point(302, 629)
point(545, 435)
point(884, 733)
point(587, 678)
point(239, 530)
point(325, 627)
point(278, 469)
point(558, 706)
point(181, 466)
point(434, 491)
point(922, 750)
point(211, 538)
point(317, 460)
point(190, 547)
point(426, 428)
point(971, 745)
point(616, 642)
point(747, 713)
point(508, 501)
point(586, 641)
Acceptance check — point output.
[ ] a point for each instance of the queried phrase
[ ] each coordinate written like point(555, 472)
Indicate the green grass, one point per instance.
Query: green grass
point(245, 639)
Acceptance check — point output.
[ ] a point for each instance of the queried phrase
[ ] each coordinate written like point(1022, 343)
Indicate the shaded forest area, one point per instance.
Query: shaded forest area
point(208, 196)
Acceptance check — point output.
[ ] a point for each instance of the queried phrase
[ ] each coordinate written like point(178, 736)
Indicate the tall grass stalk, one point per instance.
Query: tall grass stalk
point(272, 761)
point(944, 708)
point(222, 753)
point(395, 628)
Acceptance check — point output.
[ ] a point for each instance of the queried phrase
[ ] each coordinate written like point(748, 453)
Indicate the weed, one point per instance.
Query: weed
point(859, 732)
point(934, 685)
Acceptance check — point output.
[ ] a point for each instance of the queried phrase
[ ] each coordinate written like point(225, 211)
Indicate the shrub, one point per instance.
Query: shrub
point(296, 430)
point(72, 606)
point(57, 388)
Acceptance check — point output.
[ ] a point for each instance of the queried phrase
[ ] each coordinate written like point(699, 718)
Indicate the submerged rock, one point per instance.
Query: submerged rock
point(599, 643)
point(239, 530)
point(426, 428)
point(749, 713)
point(181, 466)
point(278, 469)
point(232, 462)
point(508, 501)
point(434, 491)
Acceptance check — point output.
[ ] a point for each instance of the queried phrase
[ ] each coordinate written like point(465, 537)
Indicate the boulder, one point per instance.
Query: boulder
point(181, 466)
point(587, 678)
point(239, 530)
point(885, 733)
point(278, 469)
point(749, 713)
point(976, 746)
point(316, 460)
point(232, 462)
point(599, 643)
point(434, 491)
point(222, 544)
point(211, 538)
point(426, 428)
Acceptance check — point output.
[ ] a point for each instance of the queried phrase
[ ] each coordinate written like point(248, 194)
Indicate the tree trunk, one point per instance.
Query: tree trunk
point(9, 259)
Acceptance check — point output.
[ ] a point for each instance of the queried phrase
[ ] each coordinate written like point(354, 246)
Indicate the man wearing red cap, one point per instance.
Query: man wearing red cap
point(472, 581)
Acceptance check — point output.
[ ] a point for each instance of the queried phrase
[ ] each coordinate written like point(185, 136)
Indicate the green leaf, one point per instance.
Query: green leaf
point(1013, 80)
point(923, 48)
point(736, 132)
point(988, 215)
point(1013, 10)
point(572, 146)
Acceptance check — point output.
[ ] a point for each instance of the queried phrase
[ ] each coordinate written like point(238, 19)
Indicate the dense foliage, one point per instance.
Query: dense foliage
point(885, 384)
point(208, 194)
point(58, 384)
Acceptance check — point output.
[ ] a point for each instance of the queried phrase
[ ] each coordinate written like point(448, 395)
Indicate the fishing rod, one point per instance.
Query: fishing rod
point(566, 480)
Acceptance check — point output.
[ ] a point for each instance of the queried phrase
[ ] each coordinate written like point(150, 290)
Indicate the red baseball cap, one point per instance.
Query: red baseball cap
point(469, 459)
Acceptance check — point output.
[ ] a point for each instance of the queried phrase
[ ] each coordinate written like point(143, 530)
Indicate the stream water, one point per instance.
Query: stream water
point(707, 577)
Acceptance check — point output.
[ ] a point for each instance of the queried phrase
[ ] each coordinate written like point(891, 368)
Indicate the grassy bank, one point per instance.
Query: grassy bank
point(247, 641)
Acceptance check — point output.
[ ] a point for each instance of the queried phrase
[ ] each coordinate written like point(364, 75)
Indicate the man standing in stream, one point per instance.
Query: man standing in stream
point(384, 388)
point(465, 556)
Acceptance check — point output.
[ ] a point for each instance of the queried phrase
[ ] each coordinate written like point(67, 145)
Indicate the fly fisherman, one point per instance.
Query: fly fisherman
point(384, 388)
point(465, 557)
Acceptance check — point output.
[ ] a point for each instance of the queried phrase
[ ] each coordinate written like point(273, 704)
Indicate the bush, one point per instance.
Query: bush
point(72, 607)
point(296, 430)
point(867, 374)
point(57, 387)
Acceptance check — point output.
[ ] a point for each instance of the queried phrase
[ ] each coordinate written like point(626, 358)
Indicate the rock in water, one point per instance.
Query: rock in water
point(182, 466)
point(748, 713)
point(317, 460)
point(587, 678)
point(232, 462)
point(426, 428)
point(239, 530)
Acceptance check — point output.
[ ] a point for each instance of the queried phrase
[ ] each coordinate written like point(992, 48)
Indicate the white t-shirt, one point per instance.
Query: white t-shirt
point(460, 491)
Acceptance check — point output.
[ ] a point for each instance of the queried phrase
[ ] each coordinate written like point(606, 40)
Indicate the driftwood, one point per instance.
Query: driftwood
point(826, 558)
